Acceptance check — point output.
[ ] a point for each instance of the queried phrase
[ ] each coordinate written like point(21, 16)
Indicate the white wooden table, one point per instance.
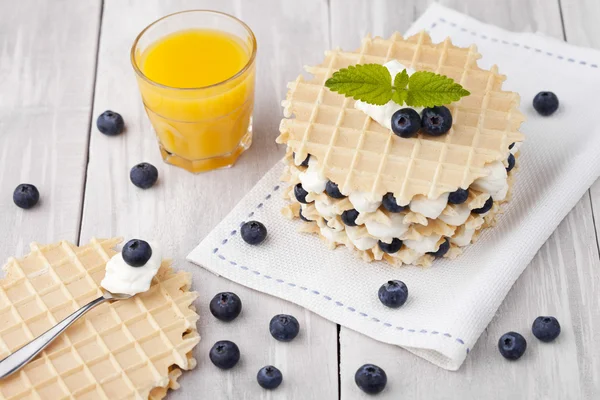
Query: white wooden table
point(64, 62)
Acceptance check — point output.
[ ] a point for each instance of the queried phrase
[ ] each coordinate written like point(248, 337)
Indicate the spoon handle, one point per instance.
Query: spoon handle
point(25, 354)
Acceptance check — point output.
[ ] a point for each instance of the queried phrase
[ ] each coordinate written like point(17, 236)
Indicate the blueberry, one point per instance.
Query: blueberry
point(110, 123)
point(269, 377)
point(390, 248)
point(511, 163)
point(284, 327)
point(442, 250)
point(406, 122)
point(305, 162)
point(302, 217)
point(26, 196)
point(459, 196)
point(390, 204)
point(512, 345)
point(226, 306)
point(349, 217)
point(545, 103)
point(136, 252)
point(224, 354)
point(546, 328)
point(333, 190)
point(393, 294)
point(511, 146)
point(486, 207)
point(253, 232)
point(436, 121)
point(370, 378)
point(143, 175)
point(300, 193)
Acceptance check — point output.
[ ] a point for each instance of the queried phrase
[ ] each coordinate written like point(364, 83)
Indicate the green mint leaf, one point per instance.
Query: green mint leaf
point(427, 89)
point(371, 83)
point(401, 80)
point(399, 97)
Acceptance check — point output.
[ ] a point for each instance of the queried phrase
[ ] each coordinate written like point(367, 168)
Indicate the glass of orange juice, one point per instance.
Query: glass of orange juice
point(196, 72)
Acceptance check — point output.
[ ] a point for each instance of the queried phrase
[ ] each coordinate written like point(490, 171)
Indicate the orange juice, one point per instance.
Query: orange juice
point(197, 85)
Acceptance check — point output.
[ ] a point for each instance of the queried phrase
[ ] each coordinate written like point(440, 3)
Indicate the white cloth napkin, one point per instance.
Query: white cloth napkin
point(451, 303)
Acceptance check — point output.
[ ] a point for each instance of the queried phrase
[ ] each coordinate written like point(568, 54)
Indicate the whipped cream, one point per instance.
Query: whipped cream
point(430, 208)
point(388, 232)
point(326, 210)
point(383, 114)
point(123, 278)
point(365, 202)
point(459, 216)
point(333, 235)
point(495, 183)
point(463, 236)
point(361, 243)
point(312, 179)
point(427, 244)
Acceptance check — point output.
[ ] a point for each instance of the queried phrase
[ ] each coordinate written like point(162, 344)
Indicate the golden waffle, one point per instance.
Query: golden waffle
point(360, 155)
point(129, 349)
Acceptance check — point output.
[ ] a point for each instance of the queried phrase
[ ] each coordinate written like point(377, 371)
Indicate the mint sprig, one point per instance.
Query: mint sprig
point(373, 84)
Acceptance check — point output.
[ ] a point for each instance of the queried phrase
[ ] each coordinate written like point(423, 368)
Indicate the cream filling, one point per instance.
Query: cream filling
point(360, 242)
point(387, 232)
point(427, 244)
point(364, 202)
point(495, 183)
point(516, 148)
point(430, 208)
point(455, 214)
point(312, 179)
point(325, 210)
point(463, 236)
point(332, 235)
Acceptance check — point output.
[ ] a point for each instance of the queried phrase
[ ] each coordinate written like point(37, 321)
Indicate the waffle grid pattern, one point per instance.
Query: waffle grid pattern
point(119, 350)
point(361, 155)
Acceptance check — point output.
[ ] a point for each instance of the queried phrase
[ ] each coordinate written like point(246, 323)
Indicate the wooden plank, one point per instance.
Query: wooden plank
point(183, 208)
point(560, 281)
point(47, 64)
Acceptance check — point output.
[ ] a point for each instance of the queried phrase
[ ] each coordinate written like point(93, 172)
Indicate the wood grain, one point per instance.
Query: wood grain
point(47, 62)
point(183, 207)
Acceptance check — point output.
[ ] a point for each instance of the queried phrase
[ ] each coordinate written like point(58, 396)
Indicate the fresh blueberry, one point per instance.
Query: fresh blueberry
point(512, 345)
point(511, 163)
point(226, 306)
point(26, 196)
point(393, 294)
point(436, 121)
point(545, 103)
point(390, 204)
point(511, 146)
point(110, 123)
point(486, 207)
point(302, 217)
point(406, 122)
point(546, 328)
point(305, 162)
point(300, 193)
point(136, 252)
point(390, 248)
point(459, 196)
point(333, 190)
point(143, 175)
point(224, 354)
point(370, 378)
point(253, 232)
point(349, 217)
point(269, 377)
point(284, 327)
point(442, 250)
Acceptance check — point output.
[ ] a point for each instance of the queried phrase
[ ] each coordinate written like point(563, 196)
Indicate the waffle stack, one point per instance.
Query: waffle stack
point(328, 139)
point(129, 349)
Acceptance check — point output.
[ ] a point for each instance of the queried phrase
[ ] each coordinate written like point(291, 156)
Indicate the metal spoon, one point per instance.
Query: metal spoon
point(25, 354)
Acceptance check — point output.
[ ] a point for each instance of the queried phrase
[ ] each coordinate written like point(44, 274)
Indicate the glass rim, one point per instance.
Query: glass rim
point(248, 64)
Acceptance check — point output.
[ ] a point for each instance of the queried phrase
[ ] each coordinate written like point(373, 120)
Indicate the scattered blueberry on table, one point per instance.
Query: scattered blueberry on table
point(486, 207)
point(136, 252)
point(26, 196)
point(110, 123)
point(143, 175)
point(370, 378)
point(390, 248)
point(284, 327)
point(442, 250)
point(333, 190)
point(389, 203)
point(406, 122)
point(224, 354)
point(435, 121)
point(546, 328)
point(226, 306)
point(349, 217)
point(300, 193)
point(545, 103)
point(269, 377)
point(459, 196)
point(512, 345)
point(393, 294)
point(253, 232)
